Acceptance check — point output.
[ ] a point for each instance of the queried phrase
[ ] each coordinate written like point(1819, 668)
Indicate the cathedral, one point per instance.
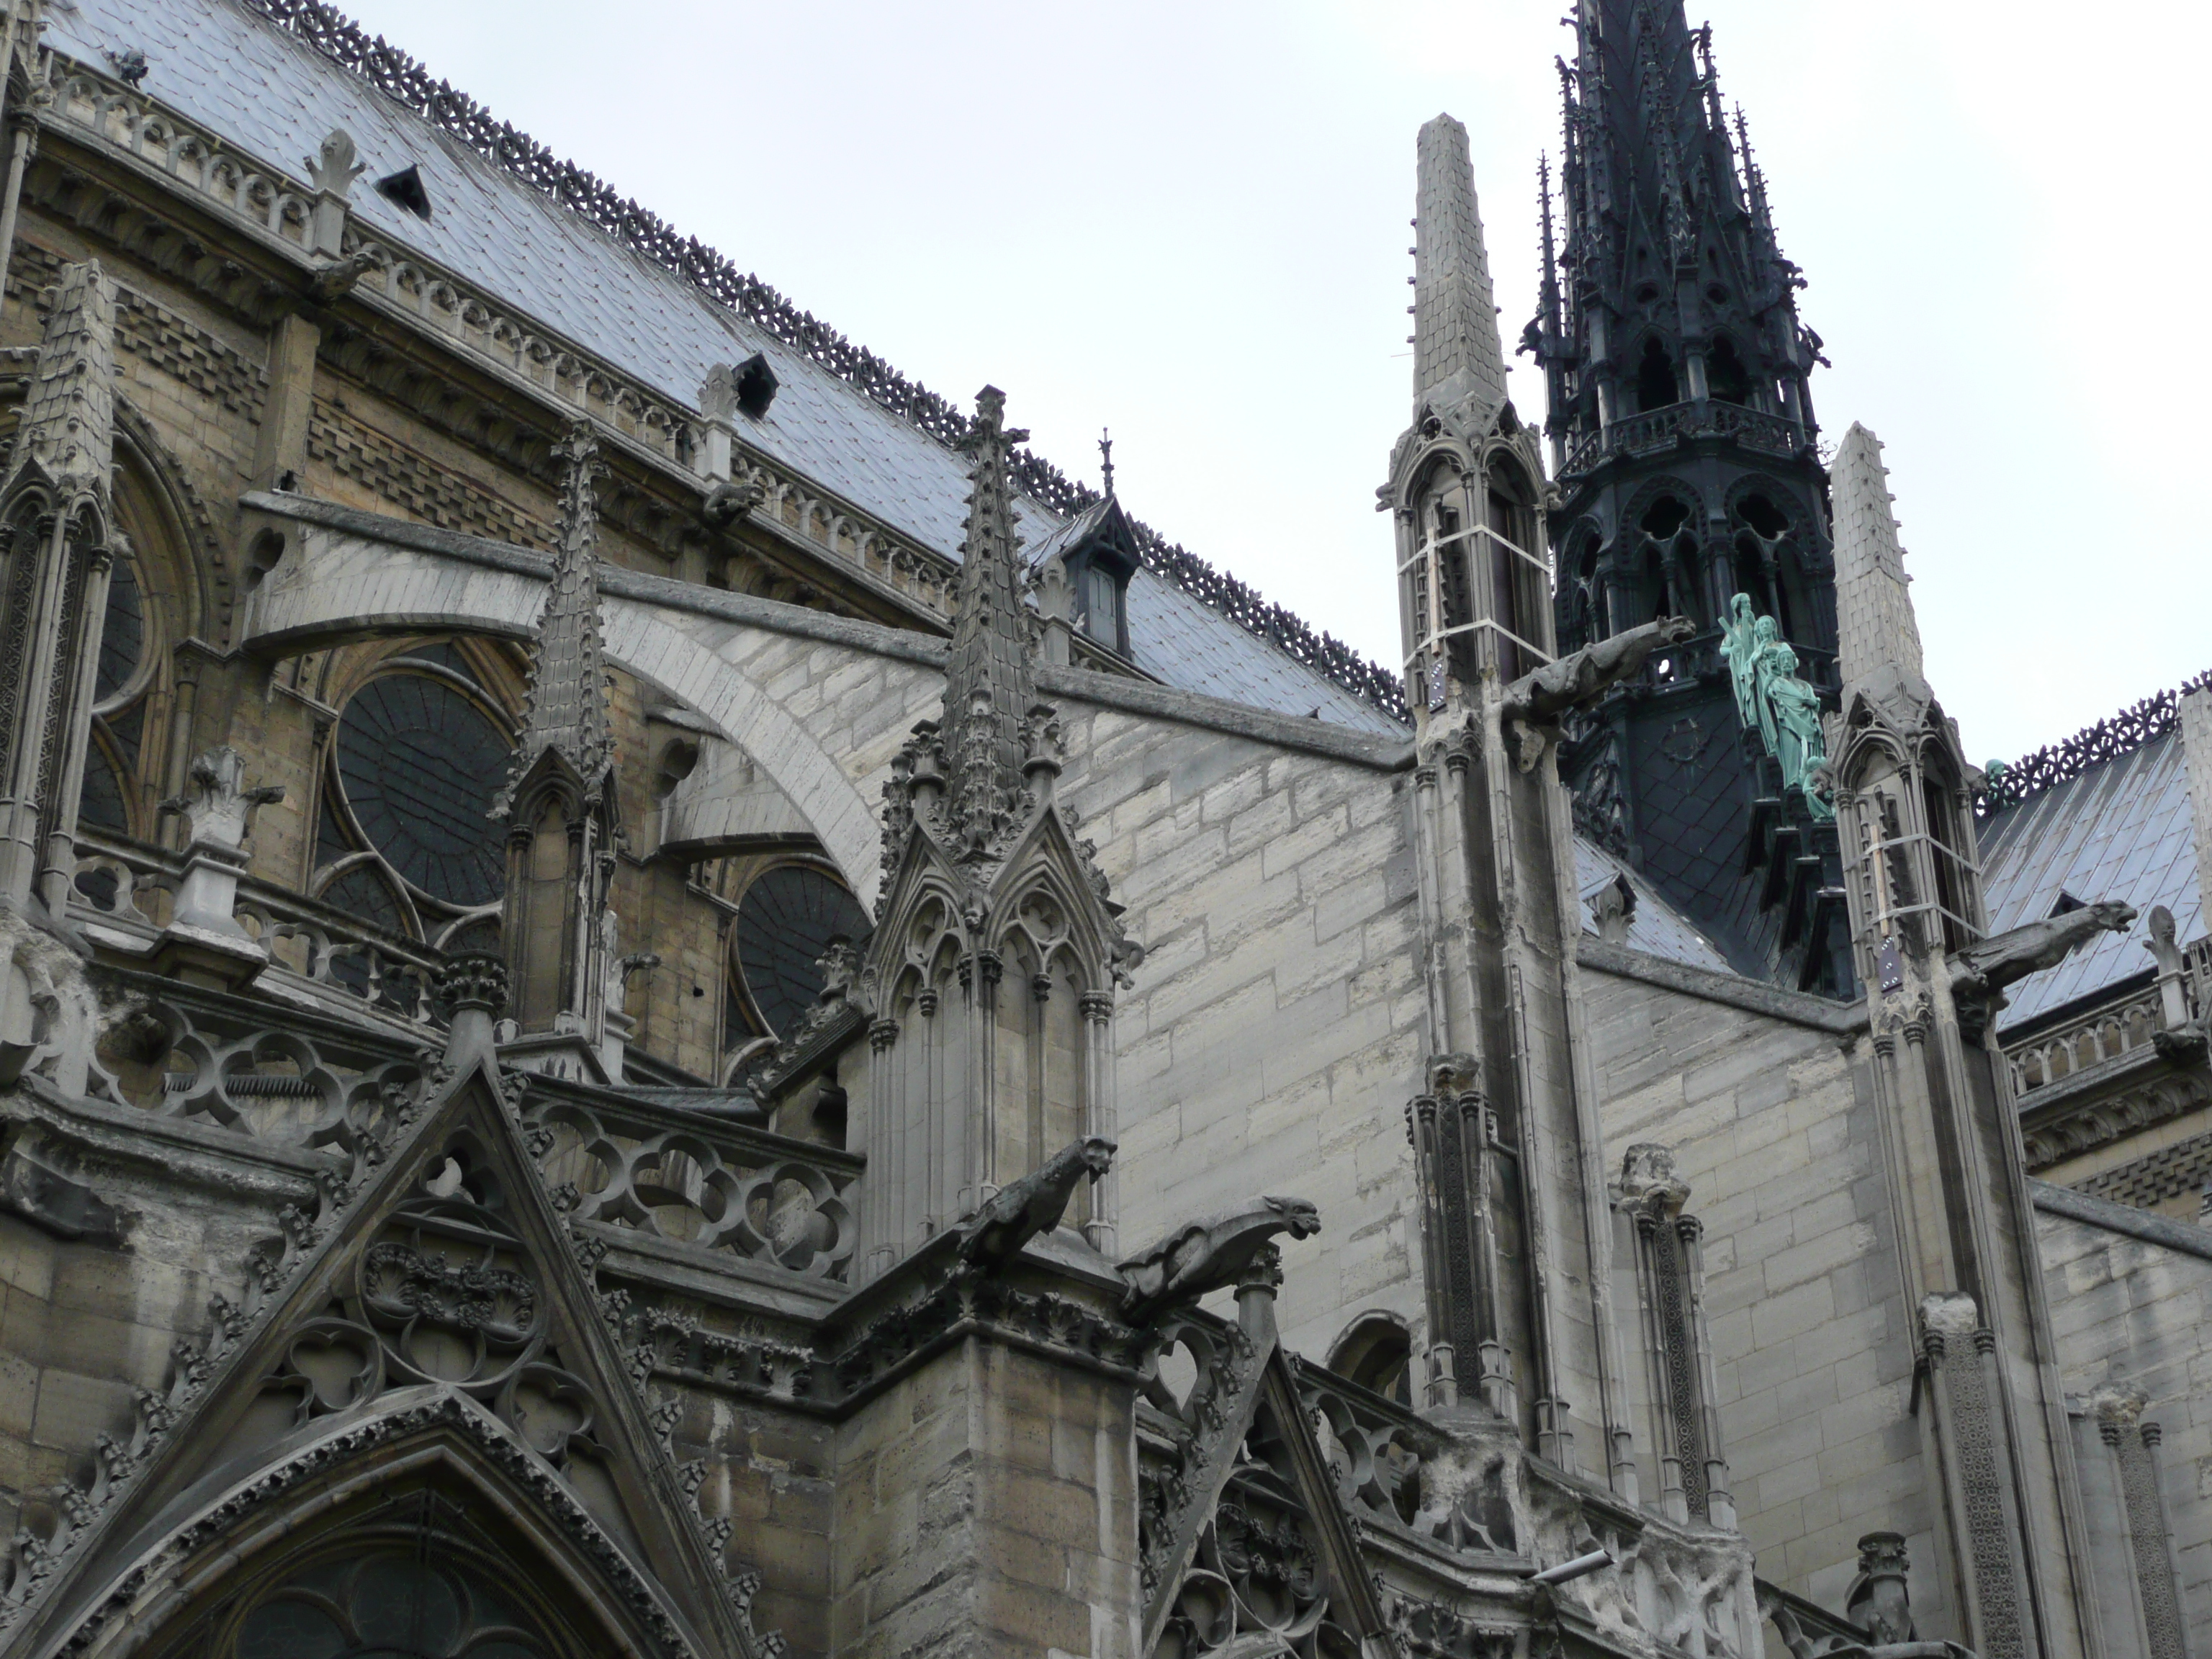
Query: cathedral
point(664, 998)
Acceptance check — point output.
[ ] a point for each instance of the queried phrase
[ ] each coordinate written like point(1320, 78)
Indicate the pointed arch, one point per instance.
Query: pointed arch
point(427, 1472)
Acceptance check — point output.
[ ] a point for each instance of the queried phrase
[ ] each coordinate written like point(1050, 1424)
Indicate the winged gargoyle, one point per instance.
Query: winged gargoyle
point(1530, 713)
point(1208, 1254)
point(993, 1235)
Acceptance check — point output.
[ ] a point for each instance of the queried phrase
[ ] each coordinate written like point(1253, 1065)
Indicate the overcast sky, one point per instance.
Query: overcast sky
point(1187, 222)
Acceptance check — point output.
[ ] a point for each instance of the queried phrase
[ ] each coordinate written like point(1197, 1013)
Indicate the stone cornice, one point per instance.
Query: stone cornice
point(1837, 1019)
point(2124, 1219)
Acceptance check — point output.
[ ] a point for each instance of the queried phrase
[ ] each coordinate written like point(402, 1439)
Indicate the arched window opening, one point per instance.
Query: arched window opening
point(1656, 385)
point(1666, 524)
point(1762, 516)
point(405, 838)
point(1507, 569)
point(1946, 853)
point(1726, 377)
point(789, 917)
point(1378, 1354)
point(384, 1605)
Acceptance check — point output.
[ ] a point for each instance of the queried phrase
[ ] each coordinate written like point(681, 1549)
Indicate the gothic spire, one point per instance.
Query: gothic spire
point(66, 437)
point(1459, 368)
point(567, 712)
point(1878, 640)
point(989, 686)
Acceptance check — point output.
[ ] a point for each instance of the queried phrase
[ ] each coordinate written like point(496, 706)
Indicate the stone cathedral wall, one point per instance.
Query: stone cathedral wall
point(1812, 1343)
point(2135, 1318)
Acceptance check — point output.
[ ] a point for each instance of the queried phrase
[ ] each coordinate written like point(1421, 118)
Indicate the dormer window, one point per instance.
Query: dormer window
point(1099, 553)
point(1102, 609)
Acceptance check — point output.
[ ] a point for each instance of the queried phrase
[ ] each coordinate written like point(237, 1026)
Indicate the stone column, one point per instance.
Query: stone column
point(1103, 1110)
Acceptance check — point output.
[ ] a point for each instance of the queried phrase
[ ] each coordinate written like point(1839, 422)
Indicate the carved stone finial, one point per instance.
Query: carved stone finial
point(216, 807)
point(65, 438)
point(1613, 908)
point(1877, 1601)
point(1648, 1179)
point(333, 167)
point(567, 711)
point(474, 978)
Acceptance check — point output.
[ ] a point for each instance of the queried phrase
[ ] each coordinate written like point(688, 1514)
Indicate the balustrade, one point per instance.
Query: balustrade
point(1657, 429)
point(2116, 1029)
point(716, 1186)
point(132, 887)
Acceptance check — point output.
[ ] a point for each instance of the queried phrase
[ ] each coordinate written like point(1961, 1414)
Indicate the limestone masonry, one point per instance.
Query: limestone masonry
point(664, 998)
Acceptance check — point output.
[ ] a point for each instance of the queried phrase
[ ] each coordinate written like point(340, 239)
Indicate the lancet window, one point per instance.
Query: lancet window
point(1682, 1427)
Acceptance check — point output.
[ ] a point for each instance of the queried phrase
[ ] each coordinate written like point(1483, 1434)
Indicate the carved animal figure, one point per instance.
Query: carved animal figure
point(1982, 970)
point(1580, 677)
point(993, 1235)
point(1534, 702)
point(1208, 1254)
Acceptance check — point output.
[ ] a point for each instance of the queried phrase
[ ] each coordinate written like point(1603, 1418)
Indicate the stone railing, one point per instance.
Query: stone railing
point(131, 888)
point(1660, 428)
point(287, 1079)
point(1375, 1446)
point(2128, 1026)
point(719, 1187)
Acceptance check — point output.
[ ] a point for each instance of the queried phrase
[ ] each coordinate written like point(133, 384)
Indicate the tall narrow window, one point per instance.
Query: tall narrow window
point(1505, 584)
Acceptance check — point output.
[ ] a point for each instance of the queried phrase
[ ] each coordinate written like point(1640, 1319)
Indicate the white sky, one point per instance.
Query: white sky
point(1189, 222)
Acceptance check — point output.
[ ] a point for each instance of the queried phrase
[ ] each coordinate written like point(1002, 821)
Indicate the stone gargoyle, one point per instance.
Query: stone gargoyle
point(1532, 704)
point(993, 1235)
point(1981, 971)
point(1209, 1254)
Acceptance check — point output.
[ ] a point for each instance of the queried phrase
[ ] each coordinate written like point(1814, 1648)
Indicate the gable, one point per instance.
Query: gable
point(432, 1337)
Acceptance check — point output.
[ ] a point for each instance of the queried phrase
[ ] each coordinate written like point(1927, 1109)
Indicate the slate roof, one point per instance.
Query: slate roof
point(1656, 928)
point(2119, 829)
point(275, 97)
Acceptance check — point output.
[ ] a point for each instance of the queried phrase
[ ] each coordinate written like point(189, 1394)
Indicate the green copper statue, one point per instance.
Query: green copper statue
point(1770, 696)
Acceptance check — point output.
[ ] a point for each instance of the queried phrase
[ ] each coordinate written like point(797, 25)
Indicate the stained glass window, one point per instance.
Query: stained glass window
point(785, 923)
point(387, 1605)
point(421, 764)
point(101, 805)
point(122, 632)
point(362, 892)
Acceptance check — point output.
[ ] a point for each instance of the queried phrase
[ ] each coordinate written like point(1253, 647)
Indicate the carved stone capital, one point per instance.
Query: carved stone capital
point(474, 978)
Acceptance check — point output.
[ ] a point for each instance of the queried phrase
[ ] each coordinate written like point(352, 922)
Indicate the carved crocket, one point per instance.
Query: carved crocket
point(1534, 702)
point(993, 1235)
point(1208, 1254)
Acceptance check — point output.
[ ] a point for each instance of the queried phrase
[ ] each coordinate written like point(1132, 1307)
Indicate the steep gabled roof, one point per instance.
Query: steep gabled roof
point(273, 77)
point(2118, 829)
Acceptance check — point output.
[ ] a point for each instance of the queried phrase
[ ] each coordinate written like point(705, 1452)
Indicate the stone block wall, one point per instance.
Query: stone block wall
point(986, 1505)
point(2130, 1313)
point(1273, 1035)
point(1812, 1343)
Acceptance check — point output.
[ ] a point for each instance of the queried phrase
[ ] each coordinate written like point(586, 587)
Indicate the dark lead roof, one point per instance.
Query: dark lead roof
point(275, 97)
point(2119, 829)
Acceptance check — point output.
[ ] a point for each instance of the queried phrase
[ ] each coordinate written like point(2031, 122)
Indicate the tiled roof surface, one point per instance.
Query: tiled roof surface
point(1656, 928)
point(276, 97)
point(2120, 829)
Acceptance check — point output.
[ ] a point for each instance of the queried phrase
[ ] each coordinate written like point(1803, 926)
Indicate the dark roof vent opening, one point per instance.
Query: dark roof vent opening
point(406, 188)
point(757, 385)
point(2067, 902)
